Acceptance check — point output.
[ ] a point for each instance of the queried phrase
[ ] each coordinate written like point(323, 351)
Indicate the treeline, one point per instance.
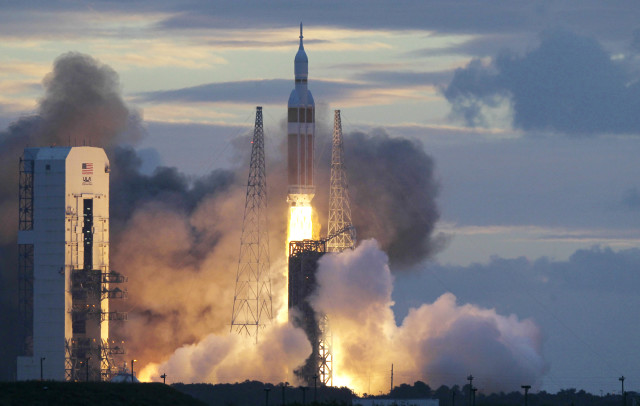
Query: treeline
point(259, 394)
point(256, 393)
point(461, 396)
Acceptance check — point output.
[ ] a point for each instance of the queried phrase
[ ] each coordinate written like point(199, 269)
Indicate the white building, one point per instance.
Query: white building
point(64, 270)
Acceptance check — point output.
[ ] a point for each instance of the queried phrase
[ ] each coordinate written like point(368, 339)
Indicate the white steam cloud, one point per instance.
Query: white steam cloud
point(231, 358)
point(438, 343)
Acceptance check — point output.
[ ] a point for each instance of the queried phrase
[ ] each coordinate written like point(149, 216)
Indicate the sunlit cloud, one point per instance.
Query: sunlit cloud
point(12, 69)
point(203, 113)
point(524, 233)
point(47, 25)
point(161, 53)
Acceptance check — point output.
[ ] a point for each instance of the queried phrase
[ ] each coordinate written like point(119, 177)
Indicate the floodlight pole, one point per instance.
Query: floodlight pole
point(315, 388)
point(87, 370)
point(41, 361)
point(132, 361)
point(526, 392)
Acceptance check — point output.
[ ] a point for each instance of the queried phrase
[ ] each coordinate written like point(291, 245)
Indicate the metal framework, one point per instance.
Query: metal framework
point(303, 265)
point(252, 301)
point(87, 355)
point(89, 287)
point(25, 257)
point(25, 195)
point(338, 239)
point(325, 351)
point(339, 205)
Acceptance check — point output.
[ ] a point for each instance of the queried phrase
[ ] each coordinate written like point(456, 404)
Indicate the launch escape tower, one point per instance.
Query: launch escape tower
point(65, 282)
point(303, 265)
point(252, 301)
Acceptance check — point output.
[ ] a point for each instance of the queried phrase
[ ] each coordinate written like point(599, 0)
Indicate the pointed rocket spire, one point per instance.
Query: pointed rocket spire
point(301, 47)
point(301, 63)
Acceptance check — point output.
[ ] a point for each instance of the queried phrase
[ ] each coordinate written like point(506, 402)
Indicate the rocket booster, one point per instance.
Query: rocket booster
point(301, 134)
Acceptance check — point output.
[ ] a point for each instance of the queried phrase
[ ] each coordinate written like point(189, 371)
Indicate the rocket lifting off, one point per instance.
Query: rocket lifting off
point(300, 140)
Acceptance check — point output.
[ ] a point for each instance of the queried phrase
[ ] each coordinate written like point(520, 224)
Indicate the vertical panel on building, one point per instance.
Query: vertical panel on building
point(25, 281)
point(87, 232)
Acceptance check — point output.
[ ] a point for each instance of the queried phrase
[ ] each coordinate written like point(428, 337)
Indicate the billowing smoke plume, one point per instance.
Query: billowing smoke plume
point(393, 193)
point(81, 106)
point(438, 343)
point(229, 358)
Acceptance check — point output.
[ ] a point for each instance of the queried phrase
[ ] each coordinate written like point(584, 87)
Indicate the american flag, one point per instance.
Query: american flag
point(87, 169)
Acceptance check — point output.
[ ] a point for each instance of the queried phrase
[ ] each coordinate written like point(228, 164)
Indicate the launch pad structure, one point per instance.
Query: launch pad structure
point(303, 267)
point(65, 282)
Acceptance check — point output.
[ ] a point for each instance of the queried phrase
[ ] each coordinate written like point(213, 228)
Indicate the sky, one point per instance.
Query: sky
point(529, 111)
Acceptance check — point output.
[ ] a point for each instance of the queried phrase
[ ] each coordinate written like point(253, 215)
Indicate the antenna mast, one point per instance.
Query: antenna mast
point(252, 301)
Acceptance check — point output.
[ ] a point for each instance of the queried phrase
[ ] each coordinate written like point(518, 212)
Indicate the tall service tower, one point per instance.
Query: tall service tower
point(301, 134)
point(65, 279)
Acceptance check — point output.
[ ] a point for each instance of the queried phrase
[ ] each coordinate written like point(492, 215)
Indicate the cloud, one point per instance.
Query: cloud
point(229, 358)
point(582, 305)
point(368, 88)
point(478, 46)
point(435, 342)
point(404, 78)
point(569, 84)
point(631, 199)
point(265, 91)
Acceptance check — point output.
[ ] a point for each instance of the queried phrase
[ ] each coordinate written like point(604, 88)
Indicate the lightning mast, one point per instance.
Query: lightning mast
point(339, 205)
point(252, 301)
point(340, 236)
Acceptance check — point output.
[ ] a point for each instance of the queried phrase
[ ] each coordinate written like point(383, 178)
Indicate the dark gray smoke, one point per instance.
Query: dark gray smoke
point(393, 195)
point(166, 232)
point(81, 106)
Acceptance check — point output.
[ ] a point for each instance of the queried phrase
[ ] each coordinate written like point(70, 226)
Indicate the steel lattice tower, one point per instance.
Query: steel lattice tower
point(252, 305)
point(339, 206)
point(337, 240)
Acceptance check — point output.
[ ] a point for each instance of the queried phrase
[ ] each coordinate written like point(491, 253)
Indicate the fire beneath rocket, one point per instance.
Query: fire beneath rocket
point(300, 223)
